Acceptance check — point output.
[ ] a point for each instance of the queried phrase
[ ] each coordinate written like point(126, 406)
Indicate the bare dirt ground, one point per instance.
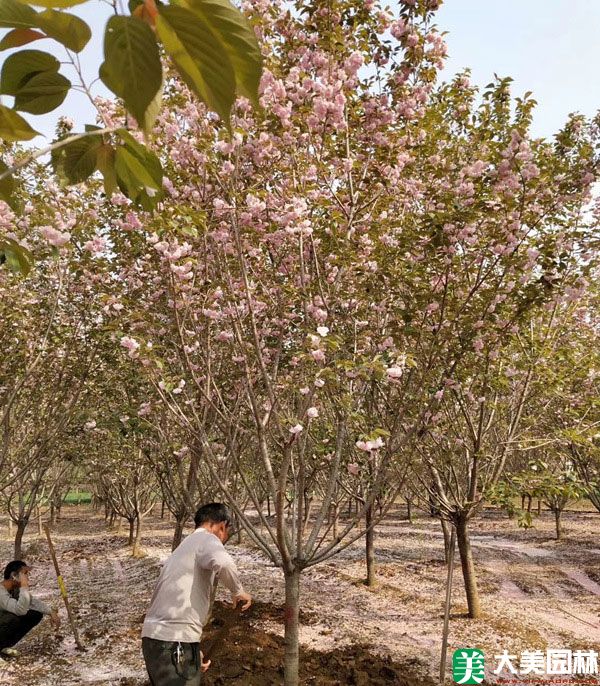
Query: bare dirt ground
point(536, 594)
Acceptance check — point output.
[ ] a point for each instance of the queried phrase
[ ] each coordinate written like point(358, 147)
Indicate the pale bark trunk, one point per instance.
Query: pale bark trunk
point(138, 537)
point(446, 528)
point(468, 568)
point(370, 547)
point(292, 607)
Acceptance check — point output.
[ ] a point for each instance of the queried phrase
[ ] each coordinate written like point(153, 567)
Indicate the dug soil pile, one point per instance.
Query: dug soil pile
point(251, 657)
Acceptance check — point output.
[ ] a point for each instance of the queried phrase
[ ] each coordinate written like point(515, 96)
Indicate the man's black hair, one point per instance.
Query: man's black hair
point(12, 567)
point(215, 513)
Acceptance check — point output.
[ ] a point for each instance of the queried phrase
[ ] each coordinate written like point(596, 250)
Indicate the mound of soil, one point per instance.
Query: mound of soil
point(249, 656)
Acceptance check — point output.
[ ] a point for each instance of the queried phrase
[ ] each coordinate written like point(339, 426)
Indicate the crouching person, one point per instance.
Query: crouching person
point(182, 599)
point(19, 610)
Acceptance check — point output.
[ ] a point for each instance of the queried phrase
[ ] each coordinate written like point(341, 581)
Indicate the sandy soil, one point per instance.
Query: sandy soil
point(536, 594)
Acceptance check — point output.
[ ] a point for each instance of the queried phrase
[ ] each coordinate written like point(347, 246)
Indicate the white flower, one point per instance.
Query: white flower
point(395, 372)
point(312, 412)
point(368, 446)
point(323, 331)
point(319, 383)
point(296, 429)
point(88, 426)
point(130, 344)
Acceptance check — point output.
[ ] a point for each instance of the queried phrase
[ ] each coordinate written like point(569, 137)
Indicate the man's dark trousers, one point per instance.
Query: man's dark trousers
point(170, 663)
point(14, 627)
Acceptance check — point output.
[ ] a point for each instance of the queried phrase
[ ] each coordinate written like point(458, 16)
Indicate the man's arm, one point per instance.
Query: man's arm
point(40, 606)
point(18, 607)
point(218, 560)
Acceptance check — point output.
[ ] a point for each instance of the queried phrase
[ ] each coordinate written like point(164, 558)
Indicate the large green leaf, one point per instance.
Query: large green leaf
point(18, 37)
point(58, 4)
point(239, 39)
point(43, 93)
point(7, 188)
point(146, 157)
point(13, 127)
point(76, 161)
point(139, 172)
point(21, 66)
point(200, 57)
point(106, 166)
point(16, 257)
point(17, 15)
point(66, 28)
point(131, 67)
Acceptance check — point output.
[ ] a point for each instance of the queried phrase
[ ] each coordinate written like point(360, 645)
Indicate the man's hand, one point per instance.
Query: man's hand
point(55, 620)
point(23, 580)
point(204, 665)
point(243, 597)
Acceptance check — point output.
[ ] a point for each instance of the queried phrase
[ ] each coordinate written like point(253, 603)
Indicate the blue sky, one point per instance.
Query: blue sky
point(548, 46)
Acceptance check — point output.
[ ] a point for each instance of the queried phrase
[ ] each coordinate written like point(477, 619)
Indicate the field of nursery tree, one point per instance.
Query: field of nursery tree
point(290, 268)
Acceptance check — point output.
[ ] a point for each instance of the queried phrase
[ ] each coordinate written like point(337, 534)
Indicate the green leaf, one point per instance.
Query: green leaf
point(76, 161)
point(153, 109)
point(106, 166)
point(66, 28)
point(18, 37)
point(139, 172)
point(17, 15)
point(239, 39)
point(58, 4)
point(7, 189)
point(199, 56)
point(131, 67)
point(146, 157)
point(13, 127)
point(22, 66)
point(43, 93)
point(16, 257)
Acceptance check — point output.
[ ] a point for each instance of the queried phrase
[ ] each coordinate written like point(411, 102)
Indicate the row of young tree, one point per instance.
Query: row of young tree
point(375, 286)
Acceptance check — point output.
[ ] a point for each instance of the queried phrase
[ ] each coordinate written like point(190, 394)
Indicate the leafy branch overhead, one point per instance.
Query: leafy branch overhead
point(209, 42)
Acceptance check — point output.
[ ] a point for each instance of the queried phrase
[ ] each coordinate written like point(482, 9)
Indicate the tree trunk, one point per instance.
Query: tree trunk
point(446, 528)
point(131, 531)
point(21, 526)
point(334, 515)
point(539, 509)
point(557, 521)
point(292, 606)
point(268, 506)
point(162, 516)
point(409, 511)
point(39, 521)
point(138, 537)
point(529, 501)
point(370, 546)
point(10, 527)
point(52, 514)
point(468, 567)
point(178, 532)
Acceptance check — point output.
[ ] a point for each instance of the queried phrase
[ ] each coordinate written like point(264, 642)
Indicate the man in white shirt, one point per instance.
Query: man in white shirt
point(181, 602)
point(19, 610)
